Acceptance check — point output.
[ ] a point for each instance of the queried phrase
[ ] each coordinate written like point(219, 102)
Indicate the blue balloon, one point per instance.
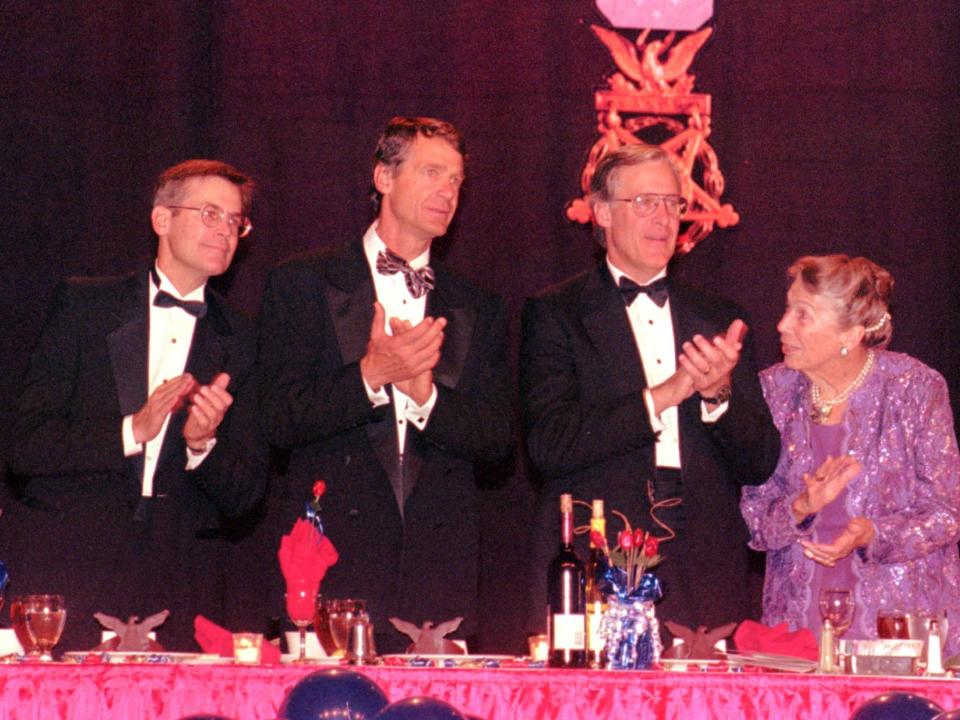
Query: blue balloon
point(897, 706)
point(419, 708)
point(334, 693)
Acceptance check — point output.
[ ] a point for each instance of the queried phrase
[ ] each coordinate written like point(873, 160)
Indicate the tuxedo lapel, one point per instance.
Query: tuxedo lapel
point(350, 297)
point(127, 346)
point(444, 301)
point(605, 321)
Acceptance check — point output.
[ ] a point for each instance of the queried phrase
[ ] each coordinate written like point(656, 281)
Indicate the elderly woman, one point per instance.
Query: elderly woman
point(866, 494)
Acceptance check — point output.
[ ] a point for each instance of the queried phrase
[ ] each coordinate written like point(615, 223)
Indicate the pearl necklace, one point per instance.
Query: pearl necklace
point(823, 408)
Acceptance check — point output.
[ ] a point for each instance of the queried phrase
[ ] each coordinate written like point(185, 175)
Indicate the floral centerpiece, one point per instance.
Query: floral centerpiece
point(629, 628)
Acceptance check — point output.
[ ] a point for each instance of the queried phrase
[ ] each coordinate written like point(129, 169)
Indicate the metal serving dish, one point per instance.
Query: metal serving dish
point(881, 657)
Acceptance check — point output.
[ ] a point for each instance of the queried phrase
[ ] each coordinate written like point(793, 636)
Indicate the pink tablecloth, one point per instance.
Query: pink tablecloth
point(168, 692)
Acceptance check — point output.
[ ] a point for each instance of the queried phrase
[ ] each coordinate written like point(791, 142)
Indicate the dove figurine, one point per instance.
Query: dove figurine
point(428, 639)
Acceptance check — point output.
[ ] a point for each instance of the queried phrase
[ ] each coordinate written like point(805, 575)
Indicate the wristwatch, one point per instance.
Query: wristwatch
point(724, 393)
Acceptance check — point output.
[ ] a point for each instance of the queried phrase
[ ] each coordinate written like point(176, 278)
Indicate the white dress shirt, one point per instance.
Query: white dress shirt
point(653, 334)
point(392, 293)
point(170, 337)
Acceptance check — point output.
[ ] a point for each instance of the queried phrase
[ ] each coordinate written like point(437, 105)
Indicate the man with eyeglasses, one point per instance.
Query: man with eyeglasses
point(641, 391)
point(386, 374)
point(135, 430)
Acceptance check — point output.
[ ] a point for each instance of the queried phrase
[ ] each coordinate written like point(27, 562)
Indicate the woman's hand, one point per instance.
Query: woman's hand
point(858, 533)
point(823, 487)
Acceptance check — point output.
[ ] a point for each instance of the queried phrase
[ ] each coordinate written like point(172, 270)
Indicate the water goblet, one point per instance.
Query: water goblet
point(18, 621)
point(301, 600)
point(45, 616)
point(836, 606)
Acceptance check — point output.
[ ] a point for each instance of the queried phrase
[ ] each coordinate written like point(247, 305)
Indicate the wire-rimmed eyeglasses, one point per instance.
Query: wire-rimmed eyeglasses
point(213, 215)
point(646, 204)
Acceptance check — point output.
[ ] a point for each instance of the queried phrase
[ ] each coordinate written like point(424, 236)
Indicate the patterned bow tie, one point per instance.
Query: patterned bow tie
point(197, 308)
point(418, 281)
point(657, 290)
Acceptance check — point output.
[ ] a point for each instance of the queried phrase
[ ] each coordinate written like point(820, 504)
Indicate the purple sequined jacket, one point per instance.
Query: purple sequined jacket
point(900, 427)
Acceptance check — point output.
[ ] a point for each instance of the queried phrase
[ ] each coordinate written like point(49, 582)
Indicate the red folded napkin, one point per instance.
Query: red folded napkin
point(216, 640)
point(753, 637)
point(305, 555)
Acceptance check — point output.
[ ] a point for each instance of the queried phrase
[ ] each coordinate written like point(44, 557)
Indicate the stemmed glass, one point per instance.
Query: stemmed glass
point(836, 606)
point(301, 600)
point(333, 623)
point(45, 616)
point(18, 621)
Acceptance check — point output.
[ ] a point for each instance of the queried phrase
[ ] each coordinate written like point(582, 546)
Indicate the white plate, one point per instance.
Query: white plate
point(147, 658)
point(786, 663)
point(446, 660)
point(686, 663)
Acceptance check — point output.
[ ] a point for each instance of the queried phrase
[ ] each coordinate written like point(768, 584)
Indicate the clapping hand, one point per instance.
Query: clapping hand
point(858, 533)
point(208, 405)
point(710, 363)
point(824, 485)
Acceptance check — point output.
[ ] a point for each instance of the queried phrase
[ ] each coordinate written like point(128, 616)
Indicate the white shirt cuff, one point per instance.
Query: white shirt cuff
point(419, 415)
point(130, 446)
point(376, 397)
point(655, 423)
point(195, 457)
point(711, 416)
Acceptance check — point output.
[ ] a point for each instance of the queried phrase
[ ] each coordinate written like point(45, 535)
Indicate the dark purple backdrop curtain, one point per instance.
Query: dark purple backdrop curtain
point(835, 124)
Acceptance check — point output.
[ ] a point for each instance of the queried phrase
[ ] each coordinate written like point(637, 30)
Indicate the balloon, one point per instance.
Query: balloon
point(897, 706)
point(419, 708)
point(334, 693)
point(948, 715)
point(204, 717)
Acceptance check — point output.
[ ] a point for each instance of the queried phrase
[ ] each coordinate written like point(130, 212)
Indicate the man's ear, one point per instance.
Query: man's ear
point(602, 214)
point(160, 219)
point(382, 178)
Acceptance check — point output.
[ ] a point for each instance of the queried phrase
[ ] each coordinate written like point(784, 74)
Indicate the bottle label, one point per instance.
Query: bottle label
point(568, 632)
point(594, 618)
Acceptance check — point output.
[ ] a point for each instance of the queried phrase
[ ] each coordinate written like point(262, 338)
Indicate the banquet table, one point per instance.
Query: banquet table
point(171, 691)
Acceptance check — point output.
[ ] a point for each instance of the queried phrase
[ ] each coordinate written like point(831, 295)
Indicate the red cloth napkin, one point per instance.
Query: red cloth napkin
point(753, 637)
point(216, 640)
point(305, 554)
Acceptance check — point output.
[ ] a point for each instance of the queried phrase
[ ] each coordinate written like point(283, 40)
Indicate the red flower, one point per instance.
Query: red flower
point(626, 539)
point(319, 488)
point(638, 536)
point(651, 546)
point(597, 540)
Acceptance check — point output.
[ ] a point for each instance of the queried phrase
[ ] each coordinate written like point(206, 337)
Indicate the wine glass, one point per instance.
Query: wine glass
point(301, 597)
point(45, 616)
point(333, 623)
point(18, 621)
point(837, 607)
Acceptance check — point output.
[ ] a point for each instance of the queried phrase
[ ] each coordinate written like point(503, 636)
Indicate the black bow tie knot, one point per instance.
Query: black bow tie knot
point(418, 281)
point(197, 308)
point(657, 290)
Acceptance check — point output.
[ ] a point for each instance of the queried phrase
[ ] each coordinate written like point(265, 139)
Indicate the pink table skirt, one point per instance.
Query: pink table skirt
point(99, 692)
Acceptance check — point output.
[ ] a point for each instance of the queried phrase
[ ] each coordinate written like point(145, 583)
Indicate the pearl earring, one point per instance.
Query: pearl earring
point(844, 351)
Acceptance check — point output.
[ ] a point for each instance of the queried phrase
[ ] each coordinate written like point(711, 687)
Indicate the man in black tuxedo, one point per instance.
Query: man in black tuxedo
point(386, 375)
point(608, 412)
point(135, 428)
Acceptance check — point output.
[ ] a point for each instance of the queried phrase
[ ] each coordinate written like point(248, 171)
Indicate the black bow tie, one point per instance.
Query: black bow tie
point(197, 308)
point(418, 281)
point(657, 290)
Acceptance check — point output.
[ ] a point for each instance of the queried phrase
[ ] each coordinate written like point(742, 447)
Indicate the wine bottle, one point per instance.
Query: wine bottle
point(566, 623)
point(596, 603)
